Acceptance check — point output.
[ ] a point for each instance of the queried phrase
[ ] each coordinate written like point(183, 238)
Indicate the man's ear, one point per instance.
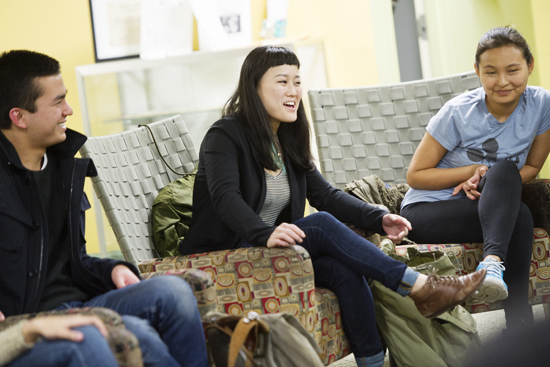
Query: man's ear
point(17, 117)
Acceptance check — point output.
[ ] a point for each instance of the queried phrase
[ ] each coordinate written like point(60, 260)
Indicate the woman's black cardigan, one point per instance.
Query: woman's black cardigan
point(230, 190)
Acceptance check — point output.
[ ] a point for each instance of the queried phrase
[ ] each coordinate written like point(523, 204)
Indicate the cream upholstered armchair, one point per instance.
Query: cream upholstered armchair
point(132, 171)
point(375, 130)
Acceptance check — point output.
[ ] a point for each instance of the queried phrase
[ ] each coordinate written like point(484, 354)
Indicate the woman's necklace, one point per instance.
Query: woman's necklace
point(278, 156)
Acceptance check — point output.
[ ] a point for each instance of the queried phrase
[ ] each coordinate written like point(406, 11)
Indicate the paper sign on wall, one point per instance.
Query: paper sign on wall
point(222, 24)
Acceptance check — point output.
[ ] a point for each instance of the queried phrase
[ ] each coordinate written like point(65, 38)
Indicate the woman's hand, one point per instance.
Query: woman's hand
point(60, 327)
point(285, 235)
point(396, 227)
point(470, 186)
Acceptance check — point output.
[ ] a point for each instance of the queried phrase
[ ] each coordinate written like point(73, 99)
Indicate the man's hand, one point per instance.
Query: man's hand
point(122, 276)
point(284, 235)
point(2, 317)
point(470, 186)
point(396, 227)
point(60, 327)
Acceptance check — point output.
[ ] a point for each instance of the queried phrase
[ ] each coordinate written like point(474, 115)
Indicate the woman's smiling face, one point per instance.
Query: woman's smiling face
point(503, 72)
point(280, 92)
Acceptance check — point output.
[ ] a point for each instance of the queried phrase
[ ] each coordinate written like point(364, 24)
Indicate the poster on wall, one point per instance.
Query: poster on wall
point(116, 28)
point(223, 24)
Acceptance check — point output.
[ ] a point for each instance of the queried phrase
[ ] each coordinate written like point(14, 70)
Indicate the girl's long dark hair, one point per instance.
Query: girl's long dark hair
point(294, 137)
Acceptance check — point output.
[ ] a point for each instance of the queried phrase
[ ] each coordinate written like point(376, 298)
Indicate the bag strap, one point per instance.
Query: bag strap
point(225, 329)
point(160, 155)
point(244, 327)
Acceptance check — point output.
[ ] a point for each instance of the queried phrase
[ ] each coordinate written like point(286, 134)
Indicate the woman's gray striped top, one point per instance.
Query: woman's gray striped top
point(277, 197)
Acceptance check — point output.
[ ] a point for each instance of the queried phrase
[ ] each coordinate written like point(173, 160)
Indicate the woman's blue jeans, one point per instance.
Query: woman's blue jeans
point(93, 351)
point(162, 313)
point(341, 261)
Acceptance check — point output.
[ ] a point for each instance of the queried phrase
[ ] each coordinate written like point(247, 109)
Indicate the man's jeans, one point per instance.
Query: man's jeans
point(341, 261)
point(93, 351)
point(162, 313)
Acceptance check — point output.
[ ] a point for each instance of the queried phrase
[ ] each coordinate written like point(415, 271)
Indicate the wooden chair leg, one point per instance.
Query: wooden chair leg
point(546, 308)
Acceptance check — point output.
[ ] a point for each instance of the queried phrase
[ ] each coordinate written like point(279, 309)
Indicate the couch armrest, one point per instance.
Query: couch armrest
point(536, 195)
point(257, 279)
point(123, 343)
point(110, 318)
point(201, 283)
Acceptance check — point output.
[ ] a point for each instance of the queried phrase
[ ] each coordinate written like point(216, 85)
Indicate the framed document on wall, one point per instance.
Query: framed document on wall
point(116, 28)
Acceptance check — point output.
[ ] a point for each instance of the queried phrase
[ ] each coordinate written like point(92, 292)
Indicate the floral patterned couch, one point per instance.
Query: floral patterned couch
point(466, 256)
point(266, 281)
point(282, 280)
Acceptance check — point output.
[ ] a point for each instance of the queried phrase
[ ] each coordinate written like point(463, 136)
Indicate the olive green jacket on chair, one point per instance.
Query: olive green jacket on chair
point(171, 215)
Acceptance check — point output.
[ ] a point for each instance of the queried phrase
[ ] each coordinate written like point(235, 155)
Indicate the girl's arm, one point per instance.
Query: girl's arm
point(344, 207)
point(422, 173)
point(536, 157)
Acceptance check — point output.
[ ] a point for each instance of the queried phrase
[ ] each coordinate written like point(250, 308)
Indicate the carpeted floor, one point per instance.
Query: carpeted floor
point(489, 325)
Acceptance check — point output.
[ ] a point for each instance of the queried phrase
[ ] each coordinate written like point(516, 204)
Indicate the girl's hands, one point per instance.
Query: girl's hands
point(470, 186)
point(285, 235)
point(396, 227)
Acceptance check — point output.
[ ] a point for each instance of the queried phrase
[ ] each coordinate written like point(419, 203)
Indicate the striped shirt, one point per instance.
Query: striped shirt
point(277, 197)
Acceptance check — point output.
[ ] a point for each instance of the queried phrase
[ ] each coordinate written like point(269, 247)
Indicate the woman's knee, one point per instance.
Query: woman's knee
point(505, 170)
point(322, 219)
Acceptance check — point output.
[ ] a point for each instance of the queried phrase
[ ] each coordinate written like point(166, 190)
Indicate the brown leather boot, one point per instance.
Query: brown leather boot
point(443, 292)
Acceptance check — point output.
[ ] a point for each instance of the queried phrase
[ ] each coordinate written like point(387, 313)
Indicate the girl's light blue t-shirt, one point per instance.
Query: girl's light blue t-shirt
point(472, 135)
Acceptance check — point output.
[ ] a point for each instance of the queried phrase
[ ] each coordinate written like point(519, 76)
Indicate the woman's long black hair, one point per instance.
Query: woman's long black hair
point(294, 137)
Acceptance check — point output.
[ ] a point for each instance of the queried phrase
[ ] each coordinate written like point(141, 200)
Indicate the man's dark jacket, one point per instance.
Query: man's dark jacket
point(24, 229)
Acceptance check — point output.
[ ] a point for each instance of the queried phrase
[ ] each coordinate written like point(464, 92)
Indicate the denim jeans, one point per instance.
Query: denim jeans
point(162, 313)
point(93, 351)
point(341, 261)
point(498, 219)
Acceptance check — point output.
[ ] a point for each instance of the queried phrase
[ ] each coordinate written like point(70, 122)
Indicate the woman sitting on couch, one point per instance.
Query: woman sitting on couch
point(468, 170)
point(254, 176)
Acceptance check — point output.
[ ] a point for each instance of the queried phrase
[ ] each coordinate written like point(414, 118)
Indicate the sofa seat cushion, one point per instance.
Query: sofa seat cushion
point(466, 257)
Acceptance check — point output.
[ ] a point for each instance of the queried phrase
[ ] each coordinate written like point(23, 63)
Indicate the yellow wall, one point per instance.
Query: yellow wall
point(541, 28)
point(61, 29)
point(348, 37)
point(455, 26)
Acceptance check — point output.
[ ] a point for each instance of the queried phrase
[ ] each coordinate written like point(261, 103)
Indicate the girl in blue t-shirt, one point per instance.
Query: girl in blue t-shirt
point(467, 173)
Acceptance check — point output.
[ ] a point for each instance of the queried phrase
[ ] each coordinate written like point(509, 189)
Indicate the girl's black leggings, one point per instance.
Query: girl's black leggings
point(498, 219)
